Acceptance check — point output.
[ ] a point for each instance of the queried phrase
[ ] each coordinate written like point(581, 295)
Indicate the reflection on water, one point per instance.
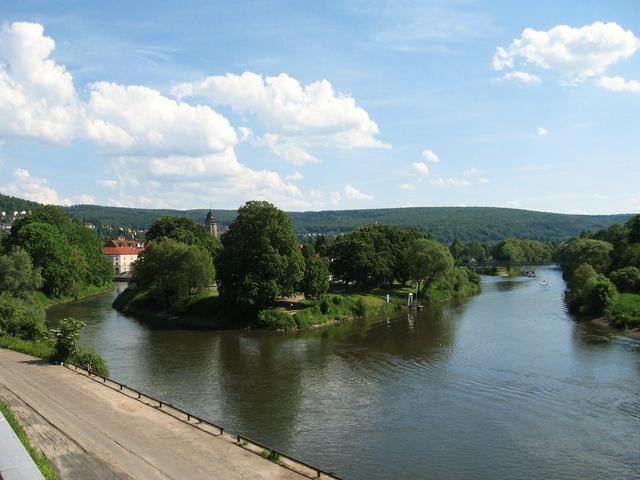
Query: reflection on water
point(504, 385)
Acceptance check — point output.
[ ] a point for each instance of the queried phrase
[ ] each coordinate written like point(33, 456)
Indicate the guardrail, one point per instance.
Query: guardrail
point(282, 459)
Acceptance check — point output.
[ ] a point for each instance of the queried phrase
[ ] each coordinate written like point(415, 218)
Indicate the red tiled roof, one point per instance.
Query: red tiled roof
point(121, 251)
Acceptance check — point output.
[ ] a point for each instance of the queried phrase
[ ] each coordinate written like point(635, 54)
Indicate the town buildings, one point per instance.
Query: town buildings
point(122, 253)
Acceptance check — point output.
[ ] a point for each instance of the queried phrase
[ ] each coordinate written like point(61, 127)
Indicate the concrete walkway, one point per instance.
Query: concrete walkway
point(90, 431)
point(15, 462)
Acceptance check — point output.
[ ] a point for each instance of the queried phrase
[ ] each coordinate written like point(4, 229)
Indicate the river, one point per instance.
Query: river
point(504, 385)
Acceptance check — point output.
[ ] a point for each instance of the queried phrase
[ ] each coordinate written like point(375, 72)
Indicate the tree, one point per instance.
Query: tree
point(316, 278)
point(627, 279)
point(17, 274)
point(457, 249)
point(631, 256)
point(596, 253)
point(260, 260)
point(185, 230)
point(173, 272)
point(431, 260)
point(475, 250)
point(61, 265)
point(21, 318)
point(633, 226)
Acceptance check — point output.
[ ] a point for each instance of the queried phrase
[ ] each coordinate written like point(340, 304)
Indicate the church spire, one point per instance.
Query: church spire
point(211, 225)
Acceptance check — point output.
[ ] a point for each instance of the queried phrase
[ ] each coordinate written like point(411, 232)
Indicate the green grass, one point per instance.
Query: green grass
point(38, 349)
point(89, 291)
point(339, 308)
point(43, 464)
point(625, 312)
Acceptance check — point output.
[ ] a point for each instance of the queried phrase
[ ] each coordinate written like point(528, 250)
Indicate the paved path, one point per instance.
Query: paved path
point(91, 431)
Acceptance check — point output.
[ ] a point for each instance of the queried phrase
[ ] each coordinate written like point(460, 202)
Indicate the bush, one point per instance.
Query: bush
point(625, 312)
point(90, 360)
point(602, 295)
point(21, 318)
point(360, 308)
point(324, 306)
point(65, 338)
point(627, 279)
point(276, 320)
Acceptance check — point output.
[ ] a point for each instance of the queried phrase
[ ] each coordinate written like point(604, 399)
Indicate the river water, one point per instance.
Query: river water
point(505, 385)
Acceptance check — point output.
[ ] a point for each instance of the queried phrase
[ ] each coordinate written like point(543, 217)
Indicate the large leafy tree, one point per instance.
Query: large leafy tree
point(596, 253)
point(54, 242)
point(316, 278)
point(173, 272)
point(260, 259)
point(431, 260)
point(17, 274)
point(185, 230)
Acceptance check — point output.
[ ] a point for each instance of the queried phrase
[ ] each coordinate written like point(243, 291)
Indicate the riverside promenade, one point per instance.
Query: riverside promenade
point(91, 431)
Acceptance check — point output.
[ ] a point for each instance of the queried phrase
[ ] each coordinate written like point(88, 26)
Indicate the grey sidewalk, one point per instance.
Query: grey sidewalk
point(15, 462)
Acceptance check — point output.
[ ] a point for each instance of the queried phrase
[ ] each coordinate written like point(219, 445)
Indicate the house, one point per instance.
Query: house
point(122, 253)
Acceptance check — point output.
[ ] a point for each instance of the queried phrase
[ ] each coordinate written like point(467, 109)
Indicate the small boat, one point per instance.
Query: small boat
point(543, 282)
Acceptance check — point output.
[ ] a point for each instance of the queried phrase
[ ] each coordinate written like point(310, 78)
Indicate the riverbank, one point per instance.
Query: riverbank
point(209, 312)
point(87, 292)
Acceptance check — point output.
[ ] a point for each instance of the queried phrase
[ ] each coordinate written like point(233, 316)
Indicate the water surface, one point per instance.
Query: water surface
point(506, 385)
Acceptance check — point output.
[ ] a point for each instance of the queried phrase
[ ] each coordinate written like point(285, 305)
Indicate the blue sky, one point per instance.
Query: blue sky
point(322, 105)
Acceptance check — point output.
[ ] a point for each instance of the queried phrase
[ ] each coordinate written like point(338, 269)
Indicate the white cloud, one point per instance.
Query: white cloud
point(619, 84)
point(542, 131)
point(522, 78)
point(483, 180)
point(295, 176)
point(352, 193)
point(451, 182)
point(420, 168)
point(107, 183)
point(37, 96)
point(297, 118)
point(87, 199)
point(430, 156)
point(140, 120)
point(33, 188)
point(407, 186)
point(575, 53)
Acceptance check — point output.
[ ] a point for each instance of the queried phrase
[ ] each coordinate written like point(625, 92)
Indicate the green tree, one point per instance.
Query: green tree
point(260, 260)
point(431, 260)
point(316, 278)
point(173, 272)
point(457, 249)
point(631, 256)
point(627, 279)
point(61, 265)
point(185, 230)
point(21, 318)
point(596, 253)
point(475, 250)
point(633, 226)
point(17, 274)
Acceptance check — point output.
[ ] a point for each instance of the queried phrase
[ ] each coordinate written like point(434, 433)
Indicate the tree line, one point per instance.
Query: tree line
point(602, 270)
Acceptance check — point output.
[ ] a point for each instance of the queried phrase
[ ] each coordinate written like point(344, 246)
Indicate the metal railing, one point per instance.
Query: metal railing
point(282, 459)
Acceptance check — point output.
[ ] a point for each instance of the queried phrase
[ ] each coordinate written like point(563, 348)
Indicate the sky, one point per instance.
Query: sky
point(322, 105)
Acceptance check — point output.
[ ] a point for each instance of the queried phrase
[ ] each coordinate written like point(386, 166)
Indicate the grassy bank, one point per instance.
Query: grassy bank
point(44, 349)
point(43, 464)
point(208, 312)
point(625, 312)
point(89, 291)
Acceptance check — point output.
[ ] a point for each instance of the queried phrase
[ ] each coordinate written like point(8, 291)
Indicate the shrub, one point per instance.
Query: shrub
point(360, 308)
point(275, 320)
point(337, 300)
point(627, 279)
point(91, 361)
point(21, 318)
point(625, 312)
point(602, 295)
point(65, 338)
point(324, 306)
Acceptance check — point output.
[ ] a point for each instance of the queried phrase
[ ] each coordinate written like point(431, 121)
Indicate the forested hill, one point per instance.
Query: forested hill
point(444, 223)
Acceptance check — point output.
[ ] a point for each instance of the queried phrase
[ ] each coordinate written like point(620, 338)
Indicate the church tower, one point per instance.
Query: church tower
point(211, 225)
